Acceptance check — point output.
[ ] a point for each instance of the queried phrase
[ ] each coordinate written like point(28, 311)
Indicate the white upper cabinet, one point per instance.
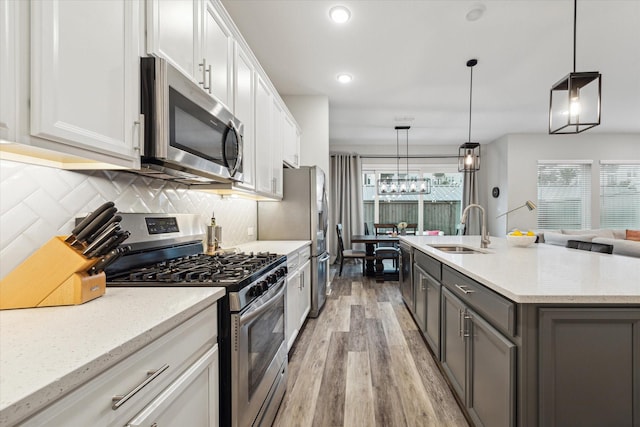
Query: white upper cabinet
point(291, 143)
point(173, 32)
point(8, 63)
point(191, 35)
point(217, 53)
point(85, 77)
point(244, 102)
point(263, 137)
point(276, 146)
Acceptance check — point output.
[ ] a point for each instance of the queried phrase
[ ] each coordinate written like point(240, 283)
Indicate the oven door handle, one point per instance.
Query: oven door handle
point(244, 319)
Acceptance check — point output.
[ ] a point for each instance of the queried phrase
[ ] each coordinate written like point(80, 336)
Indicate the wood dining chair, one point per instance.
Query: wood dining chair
point(347, 253)
point(387, 250)
point(411, 229)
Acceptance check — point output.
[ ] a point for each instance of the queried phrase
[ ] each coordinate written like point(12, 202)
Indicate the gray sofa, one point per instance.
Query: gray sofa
point(605, 236)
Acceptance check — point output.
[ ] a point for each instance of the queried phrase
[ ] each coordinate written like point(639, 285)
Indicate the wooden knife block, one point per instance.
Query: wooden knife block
point(56, 274)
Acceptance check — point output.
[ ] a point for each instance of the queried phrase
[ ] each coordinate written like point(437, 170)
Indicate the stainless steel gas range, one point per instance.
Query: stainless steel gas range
point(166, 250)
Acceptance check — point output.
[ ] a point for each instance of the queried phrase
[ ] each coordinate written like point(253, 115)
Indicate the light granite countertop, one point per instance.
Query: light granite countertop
point(281, 247)
point(541, 273)
point(49, 351)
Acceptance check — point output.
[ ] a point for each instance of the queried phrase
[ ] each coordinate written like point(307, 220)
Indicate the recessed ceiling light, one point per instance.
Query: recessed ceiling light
point(339, 14)
point(476, 12)
point(345, 78)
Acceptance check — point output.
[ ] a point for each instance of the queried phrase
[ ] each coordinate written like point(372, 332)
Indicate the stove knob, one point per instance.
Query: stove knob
point(261, 288)
point(252, 292)
point(272, 278)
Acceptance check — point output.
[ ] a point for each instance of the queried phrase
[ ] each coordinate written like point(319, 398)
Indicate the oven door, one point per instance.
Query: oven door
point(258, 354)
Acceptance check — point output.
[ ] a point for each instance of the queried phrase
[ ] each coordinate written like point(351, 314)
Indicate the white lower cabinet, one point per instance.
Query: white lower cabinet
point(171, 381)
point(188, 401)
point(298, 293)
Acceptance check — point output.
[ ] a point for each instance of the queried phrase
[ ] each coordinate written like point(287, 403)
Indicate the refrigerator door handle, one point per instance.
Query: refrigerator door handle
point(324, 258)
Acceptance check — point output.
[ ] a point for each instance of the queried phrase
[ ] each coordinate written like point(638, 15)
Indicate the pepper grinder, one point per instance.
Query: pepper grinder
point(212, 243)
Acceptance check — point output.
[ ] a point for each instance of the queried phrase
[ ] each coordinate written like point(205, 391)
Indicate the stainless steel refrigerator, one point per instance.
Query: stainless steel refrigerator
point(302, 215)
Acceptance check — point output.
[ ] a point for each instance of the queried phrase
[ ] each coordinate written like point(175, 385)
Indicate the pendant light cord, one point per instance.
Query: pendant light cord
point(470, 98)
point(575, 16)
point(397, 154)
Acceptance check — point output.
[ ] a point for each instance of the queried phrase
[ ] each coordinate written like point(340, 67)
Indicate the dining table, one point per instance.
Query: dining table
point(374, 265)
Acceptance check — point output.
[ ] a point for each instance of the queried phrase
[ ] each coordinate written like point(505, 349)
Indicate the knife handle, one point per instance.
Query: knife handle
point(93, 215)
point(96, 223)
point(101, 230)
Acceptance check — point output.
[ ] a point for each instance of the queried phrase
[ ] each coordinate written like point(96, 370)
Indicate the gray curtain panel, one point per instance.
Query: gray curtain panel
point(470, 196)
point(345, 199)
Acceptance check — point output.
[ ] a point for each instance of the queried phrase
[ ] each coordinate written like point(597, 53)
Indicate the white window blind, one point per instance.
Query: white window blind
point(619, 195)
point(564, 195)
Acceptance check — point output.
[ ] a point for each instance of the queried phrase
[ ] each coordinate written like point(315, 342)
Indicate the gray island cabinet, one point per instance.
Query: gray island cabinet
point(527, 344)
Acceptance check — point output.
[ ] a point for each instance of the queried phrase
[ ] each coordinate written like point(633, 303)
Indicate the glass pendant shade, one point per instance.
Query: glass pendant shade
point(574, 104)
point(469, 157)
point(407, 185)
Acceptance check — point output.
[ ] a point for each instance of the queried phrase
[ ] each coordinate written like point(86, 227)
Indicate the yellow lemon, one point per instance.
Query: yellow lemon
point(530, 233)
point(517, 233)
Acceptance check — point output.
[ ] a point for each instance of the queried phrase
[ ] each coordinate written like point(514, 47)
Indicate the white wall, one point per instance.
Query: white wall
point(520, 153)
point(38, 203)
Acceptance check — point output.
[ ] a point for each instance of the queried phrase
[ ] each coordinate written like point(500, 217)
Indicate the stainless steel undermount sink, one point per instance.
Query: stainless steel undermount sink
point(458, 249)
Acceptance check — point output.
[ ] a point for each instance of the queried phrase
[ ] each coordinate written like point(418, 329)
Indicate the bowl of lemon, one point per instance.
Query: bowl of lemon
point(521, 240)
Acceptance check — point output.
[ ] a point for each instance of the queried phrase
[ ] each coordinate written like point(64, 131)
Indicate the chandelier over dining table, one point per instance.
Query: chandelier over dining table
point(407, 185)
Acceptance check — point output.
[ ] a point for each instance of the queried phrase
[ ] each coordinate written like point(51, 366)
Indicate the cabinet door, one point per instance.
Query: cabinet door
point(276, 146)
point(192, 400)
point(420, 280)
point(305, 297)
point(453, 342)
point(217, 54)
point(589, 367)
point(85, 75)
point(264, 173)
point(173, 33)
point(291, 149)
point(293, 303)
point(244, 111)
point(8, 71)
point(492, 377)
point(432, 331)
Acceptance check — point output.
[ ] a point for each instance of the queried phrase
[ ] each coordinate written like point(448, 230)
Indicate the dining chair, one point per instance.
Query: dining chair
point(387, 250)
point(347, 253)
point(411, 229)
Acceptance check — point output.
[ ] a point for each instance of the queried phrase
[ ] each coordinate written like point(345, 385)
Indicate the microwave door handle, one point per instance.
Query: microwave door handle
point(266, 306)
point(233, 168)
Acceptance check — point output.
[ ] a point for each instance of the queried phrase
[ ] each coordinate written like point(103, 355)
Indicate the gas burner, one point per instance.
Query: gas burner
point(200, 269)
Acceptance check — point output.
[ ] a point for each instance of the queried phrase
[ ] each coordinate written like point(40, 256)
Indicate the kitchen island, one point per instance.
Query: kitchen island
point(541, 335)
point(47, 353)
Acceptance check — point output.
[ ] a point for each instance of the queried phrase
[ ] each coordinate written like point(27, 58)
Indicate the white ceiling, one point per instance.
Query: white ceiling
point(408, 59)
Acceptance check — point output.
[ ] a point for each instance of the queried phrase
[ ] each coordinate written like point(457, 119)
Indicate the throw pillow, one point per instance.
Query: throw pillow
point(633, 235)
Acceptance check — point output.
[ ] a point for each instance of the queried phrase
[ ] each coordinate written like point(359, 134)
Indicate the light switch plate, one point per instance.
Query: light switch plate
point(250, 231)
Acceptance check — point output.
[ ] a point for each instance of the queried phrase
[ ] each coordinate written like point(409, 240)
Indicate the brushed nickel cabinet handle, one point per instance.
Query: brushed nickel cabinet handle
point(120, 400)
point(464, 289)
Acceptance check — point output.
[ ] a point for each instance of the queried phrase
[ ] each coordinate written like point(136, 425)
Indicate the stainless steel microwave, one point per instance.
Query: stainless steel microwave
point(188, 136)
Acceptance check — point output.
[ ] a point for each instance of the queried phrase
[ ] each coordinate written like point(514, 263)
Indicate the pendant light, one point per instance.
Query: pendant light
point(469, 152)
point(405, 186)
point(574, 102)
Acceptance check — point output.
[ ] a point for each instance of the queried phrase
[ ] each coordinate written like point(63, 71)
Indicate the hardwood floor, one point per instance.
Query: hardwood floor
point(363, 362)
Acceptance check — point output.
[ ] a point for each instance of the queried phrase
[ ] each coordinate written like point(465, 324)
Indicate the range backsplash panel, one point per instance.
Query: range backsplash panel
point(37, 203)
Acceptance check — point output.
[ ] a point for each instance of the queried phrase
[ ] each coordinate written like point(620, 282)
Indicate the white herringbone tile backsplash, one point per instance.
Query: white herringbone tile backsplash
point(37, 203)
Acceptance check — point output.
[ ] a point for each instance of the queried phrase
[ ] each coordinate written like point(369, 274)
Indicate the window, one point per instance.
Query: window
point(564, 195)
point(439, 210)
point(619, 195)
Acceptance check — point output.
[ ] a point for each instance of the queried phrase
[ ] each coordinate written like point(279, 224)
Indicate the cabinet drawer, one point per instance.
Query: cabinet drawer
point(304, 254)
point(293, 262)
point(428, 264)
point(167, 356)
point(494, 307)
